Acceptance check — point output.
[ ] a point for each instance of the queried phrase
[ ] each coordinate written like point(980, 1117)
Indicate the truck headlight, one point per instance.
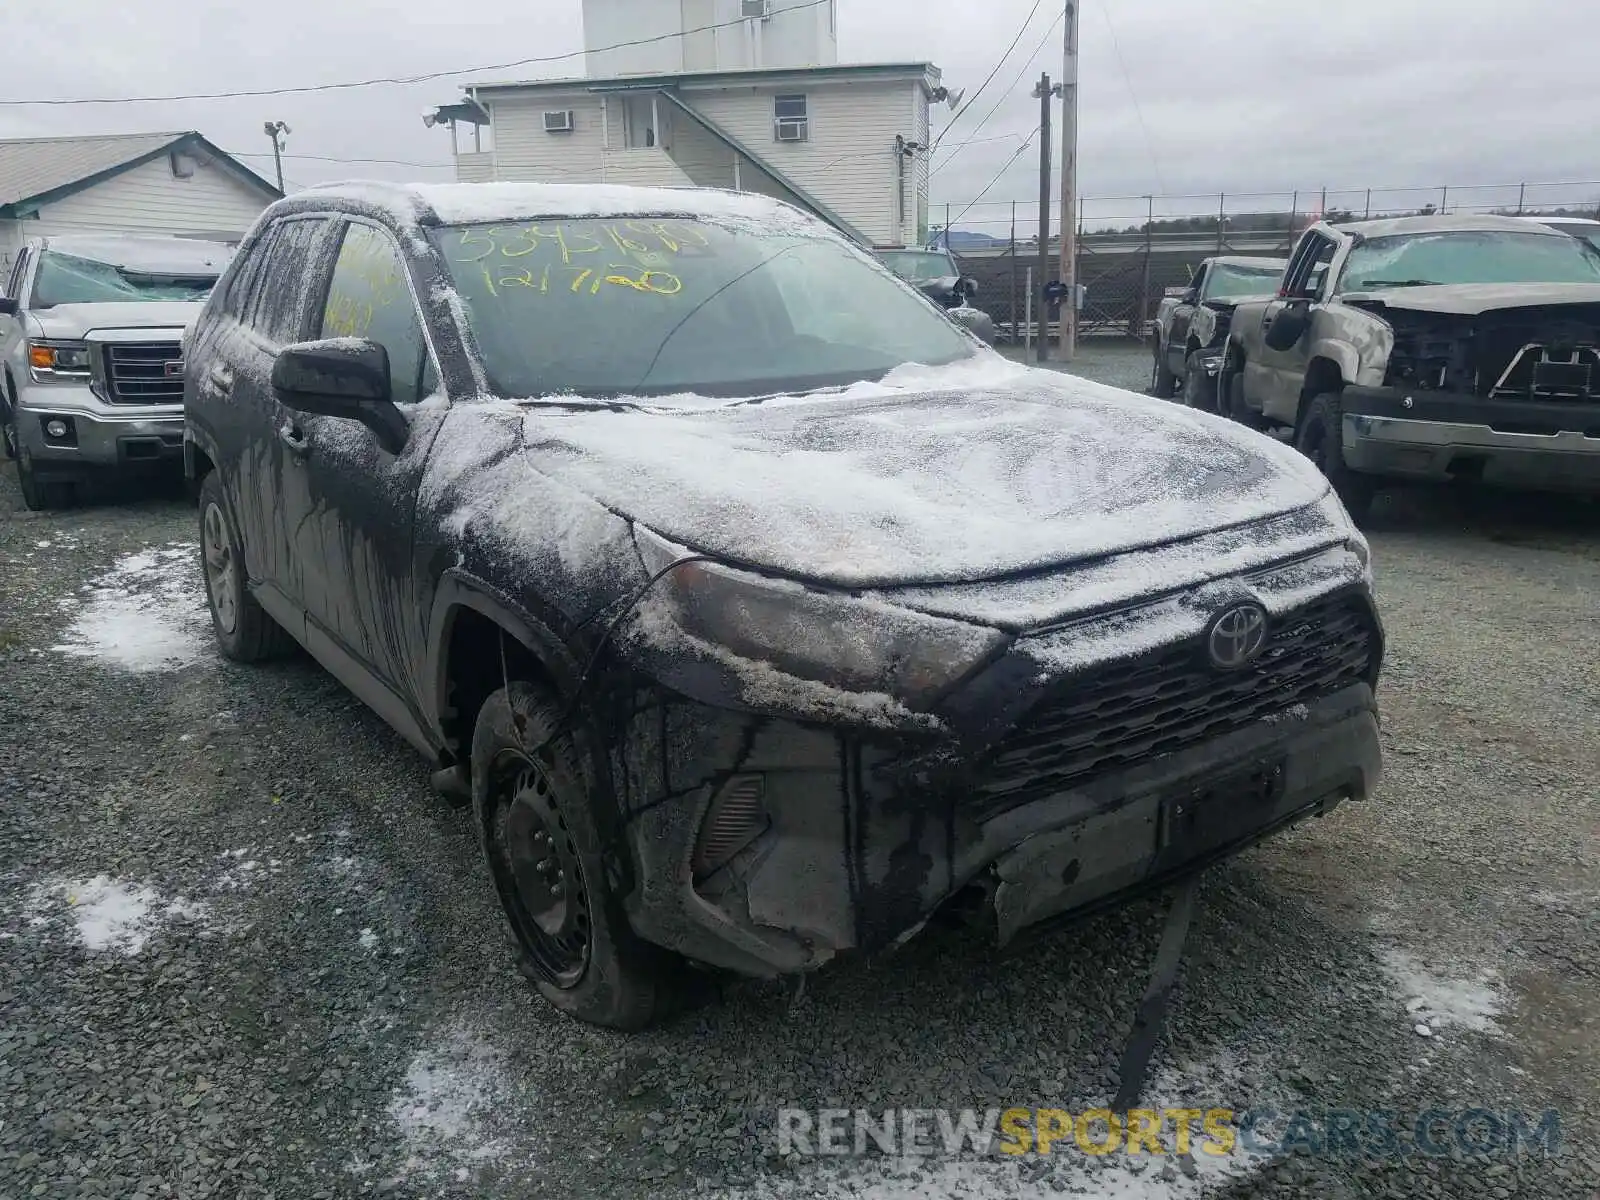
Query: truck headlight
point(849, 642)
point(58, 362)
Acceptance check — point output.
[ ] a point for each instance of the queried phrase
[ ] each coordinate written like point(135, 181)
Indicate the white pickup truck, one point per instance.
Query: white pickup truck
point(91, 350)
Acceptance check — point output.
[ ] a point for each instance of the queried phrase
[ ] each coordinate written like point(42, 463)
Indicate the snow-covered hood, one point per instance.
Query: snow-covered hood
point(79, 320)
point(1473, 299)
point(942, 476)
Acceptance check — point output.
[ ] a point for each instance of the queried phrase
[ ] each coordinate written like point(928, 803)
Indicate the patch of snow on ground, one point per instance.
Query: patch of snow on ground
point(368, 940)
point(148, 613)
point(1433, 1002)
point(108, 914)
point(442, 1106)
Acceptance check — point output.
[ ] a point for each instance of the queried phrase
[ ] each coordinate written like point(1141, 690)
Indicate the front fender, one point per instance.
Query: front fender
point(1341, 354)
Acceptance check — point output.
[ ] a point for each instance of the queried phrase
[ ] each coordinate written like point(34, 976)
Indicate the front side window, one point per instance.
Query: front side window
point(1231, 282)
point(368, 297)
point(1468, 256)
point(602, 308)
point(107, 271)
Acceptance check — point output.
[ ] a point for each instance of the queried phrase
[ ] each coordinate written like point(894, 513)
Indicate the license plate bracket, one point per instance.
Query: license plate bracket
point(1216, 812)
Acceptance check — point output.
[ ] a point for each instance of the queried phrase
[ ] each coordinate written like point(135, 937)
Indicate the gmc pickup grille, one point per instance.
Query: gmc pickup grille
point(144, 372)
point(1168, 701)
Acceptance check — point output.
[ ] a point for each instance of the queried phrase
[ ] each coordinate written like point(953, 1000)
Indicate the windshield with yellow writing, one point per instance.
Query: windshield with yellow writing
point(602, 308)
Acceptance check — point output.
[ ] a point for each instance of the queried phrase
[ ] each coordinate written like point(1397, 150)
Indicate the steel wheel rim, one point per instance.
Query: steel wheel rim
point(537, 870)
point(222, 578)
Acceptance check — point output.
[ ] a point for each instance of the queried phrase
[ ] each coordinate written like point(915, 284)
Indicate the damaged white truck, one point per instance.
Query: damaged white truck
point(760, 612)
point(1437, 348)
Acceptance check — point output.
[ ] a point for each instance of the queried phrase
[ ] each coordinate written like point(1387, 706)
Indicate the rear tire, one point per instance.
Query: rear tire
point(244, 631)
point(1321, 439)
point(537, 816)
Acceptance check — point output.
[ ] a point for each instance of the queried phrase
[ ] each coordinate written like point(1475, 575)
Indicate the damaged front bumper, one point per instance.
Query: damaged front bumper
point(1062, 780)
point(1544, 444)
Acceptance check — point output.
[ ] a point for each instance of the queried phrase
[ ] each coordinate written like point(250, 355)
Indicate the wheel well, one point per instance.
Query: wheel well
point(480, 657)
point(1323, 375)
point(198, 463)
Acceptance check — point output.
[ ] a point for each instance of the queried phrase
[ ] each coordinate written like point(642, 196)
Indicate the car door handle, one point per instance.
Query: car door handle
point(299, 444)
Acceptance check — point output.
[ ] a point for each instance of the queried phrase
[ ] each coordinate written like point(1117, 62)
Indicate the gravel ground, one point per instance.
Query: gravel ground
point(244, 952)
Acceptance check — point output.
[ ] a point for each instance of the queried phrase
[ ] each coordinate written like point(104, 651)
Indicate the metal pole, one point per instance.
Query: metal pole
point(1444, 200)
point(1294, 214)
point(1369, 204)
point(1222, 217)
point(1069, 187)
point(1322, 212)
point(1522, 195)
point(1044, 94)
point(1140, 325)
point(947, 244)
point(1015, 307)
point(1027, 326)
point(275, 130)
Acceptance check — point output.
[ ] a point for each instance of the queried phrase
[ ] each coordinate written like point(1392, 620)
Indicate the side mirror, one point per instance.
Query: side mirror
point(1289, 326)
point(969, 285)
point(9, 307)
point(979, 324)
point(341, 377)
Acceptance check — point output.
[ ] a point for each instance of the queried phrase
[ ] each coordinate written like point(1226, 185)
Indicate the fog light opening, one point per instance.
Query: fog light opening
point(58, 429)
point(736, 818)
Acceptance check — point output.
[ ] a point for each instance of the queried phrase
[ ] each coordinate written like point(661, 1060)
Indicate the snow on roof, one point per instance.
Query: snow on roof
point(1442, 223)
point(146, 252)
point(470, 203)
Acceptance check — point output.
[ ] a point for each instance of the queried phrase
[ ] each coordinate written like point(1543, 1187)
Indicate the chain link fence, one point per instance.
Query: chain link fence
point(1132, 248)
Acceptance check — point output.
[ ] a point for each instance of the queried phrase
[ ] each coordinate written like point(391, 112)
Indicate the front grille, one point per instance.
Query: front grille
point(1173, 699)
point(142, 372)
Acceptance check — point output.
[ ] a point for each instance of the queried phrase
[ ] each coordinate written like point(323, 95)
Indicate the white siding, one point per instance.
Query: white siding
point(645, 168)
point(523, 150)
point(797, 34)
point(848, 163)
point(150, 199)
point(11, 235)
point(474, 168)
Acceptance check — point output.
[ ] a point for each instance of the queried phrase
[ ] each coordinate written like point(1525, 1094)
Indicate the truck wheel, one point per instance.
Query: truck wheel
point(1163, 382)
point(537, 824)
point(244, 631)
point(1198, 390)
point(39, 495)
point(1321, 439)
point(1230, 395)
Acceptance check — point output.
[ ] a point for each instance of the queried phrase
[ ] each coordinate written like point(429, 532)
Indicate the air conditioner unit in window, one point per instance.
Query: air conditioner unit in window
point(792, 130)
point(558, 122)
point(755, 9)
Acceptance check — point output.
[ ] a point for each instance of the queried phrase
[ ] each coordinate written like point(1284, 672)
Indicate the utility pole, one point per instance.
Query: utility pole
point(1045, 93)
point(276, 130)
point(1069, 187)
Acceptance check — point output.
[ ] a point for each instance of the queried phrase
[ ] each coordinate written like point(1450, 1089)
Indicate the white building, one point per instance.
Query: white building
point(132, 183)
point(742, 94)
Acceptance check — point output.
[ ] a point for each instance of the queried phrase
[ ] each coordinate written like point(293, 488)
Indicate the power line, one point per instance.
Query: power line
point(1028, 20)
point(1116, 46)
point(1028, 141)
point(396, 80)
point(971, 141)
point(393, 162)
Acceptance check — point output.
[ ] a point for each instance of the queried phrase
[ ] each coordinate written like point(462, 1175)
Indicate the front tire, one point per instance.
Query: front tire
point(1196, 392)
point(1321, 439)
point(40, 495)
point(244, 631)
point(536, 814)
point(1163, 382)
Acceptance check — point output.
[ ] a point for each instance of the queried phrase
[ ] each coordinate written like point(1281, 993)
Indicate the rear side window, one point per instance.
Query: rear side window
point(240, 288)
point(277, 287)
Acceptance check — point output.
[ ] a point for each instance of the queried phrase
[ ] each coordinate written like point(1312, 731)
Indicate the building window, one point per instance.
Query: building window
point(790, 119)
point(642, 122)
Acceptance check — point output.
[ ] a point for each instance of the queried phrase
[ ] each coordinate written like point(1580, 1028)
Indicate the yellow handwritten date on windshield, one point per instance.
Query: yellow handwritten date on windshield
point(551, 258)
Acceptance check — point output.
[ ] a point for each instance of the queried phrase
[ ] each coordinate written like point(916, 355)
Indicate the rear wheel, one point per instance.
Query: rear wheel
point(244, 631)
point(542, 841)
point(1321, 439)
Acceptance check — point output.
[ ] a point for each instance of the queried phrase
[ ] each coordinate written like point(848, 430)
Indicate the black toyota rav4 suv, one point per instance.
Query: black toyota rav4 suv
point(760, 611)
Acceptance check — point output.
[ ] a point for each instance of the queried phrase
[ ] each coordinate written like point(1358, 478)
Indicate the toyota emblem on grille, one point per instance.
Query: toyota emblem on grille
point(1238, 636)
point(174, 368)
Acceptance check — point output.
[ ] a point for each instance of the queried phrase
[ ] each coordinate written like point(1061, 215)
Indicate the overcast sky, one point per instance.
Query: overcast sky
point(1234, 95)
